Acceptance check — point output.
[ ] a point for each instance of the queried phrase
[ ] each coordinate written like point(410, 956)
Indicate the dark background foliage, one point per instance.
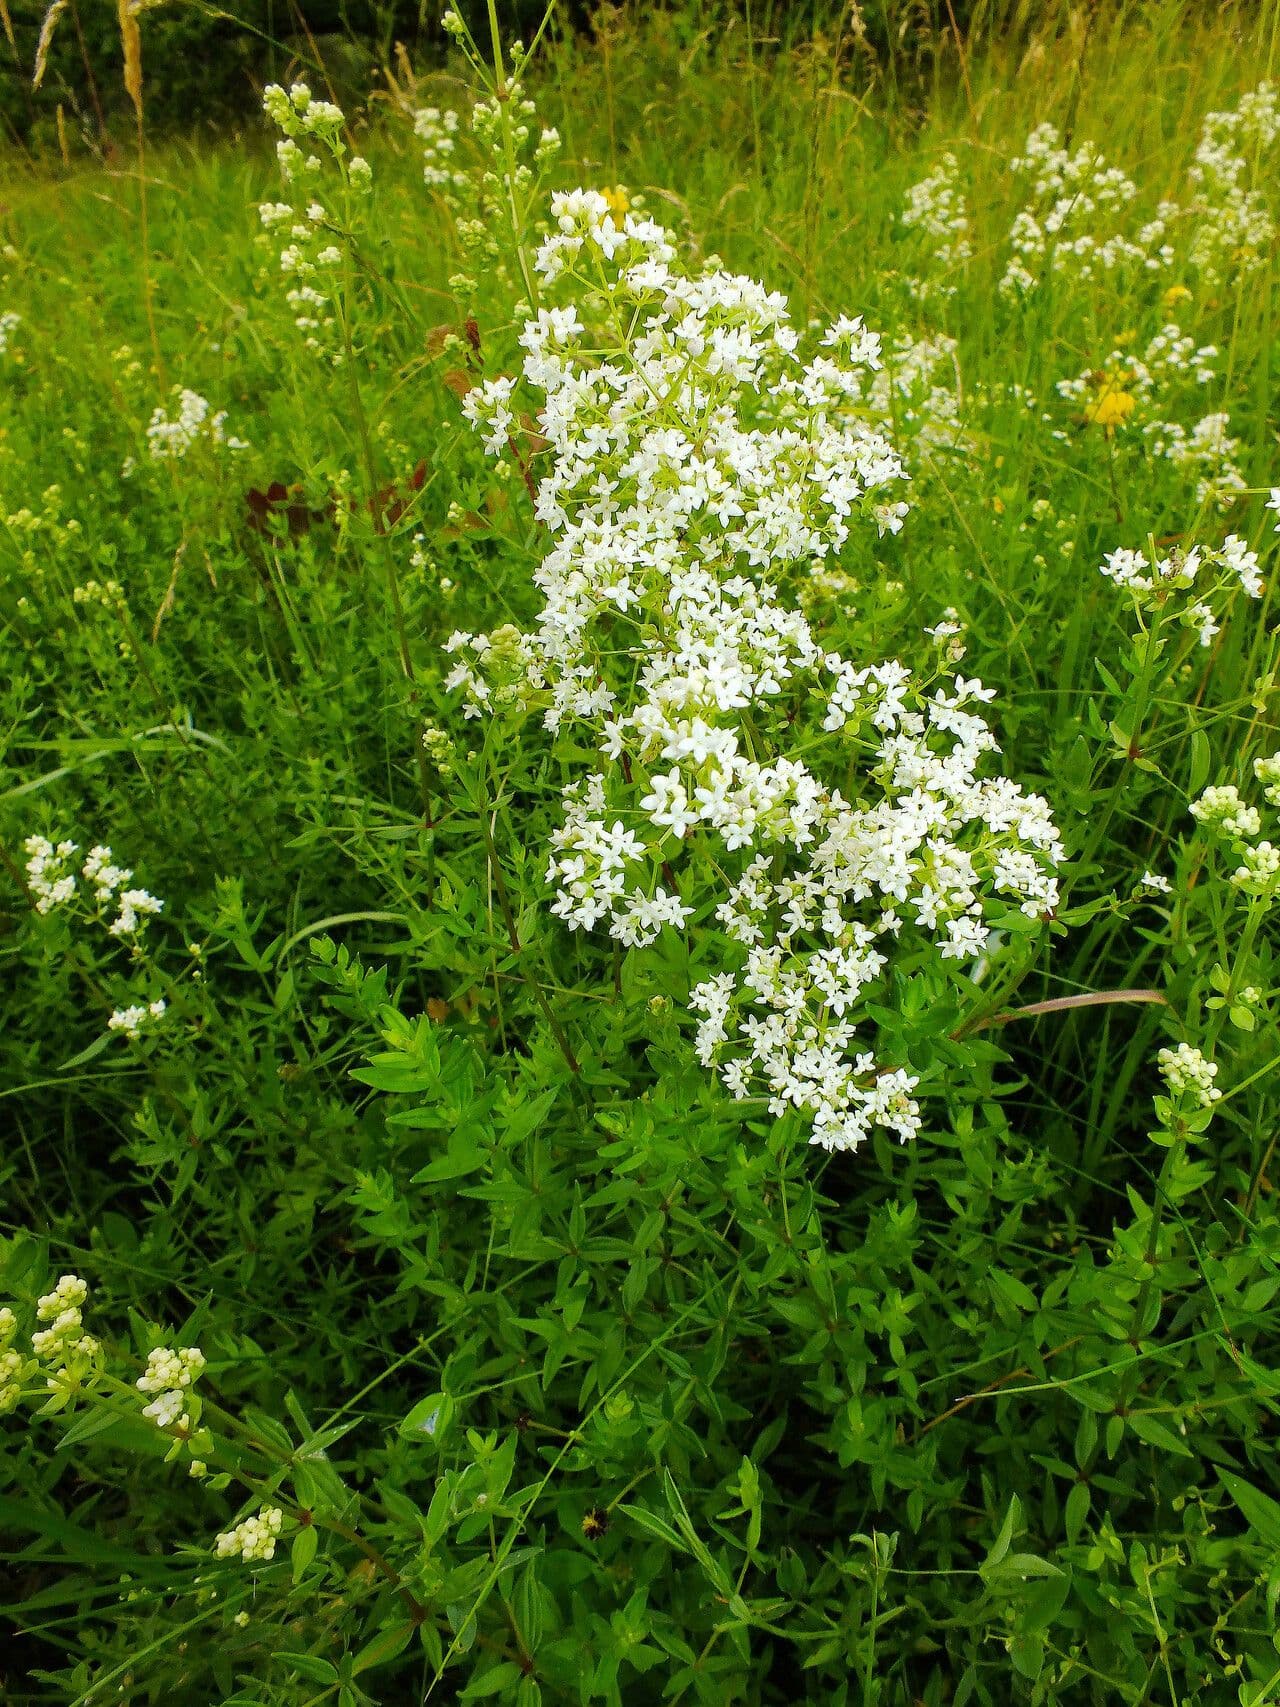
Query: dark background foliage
point(206, 64)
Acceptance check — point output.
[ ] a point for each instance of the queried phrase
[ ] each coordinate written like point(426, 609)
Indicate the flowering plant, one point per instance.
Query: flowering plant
point(700, 468)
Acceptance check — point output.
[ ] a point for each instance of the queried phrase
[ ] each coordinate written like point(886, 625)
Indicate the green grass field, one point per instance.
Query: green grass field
point(573, 1133)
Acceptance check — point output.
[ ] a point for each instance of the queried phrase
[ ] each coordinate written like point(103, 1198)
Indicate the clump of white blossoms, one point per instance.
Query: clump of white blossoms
point(1208, 452)
point(1188, 1074)
point(102, 894)
point(66, 1353)
point(9, 323)
point(313, 229)
point(254, 1538)
point(1221, 808)
point(936, 208)
point(915, 392)
point(1226, 815)
point(62, 1354)
point(1267, 772)
point(13, 1364)
point(171, 437)
point(1071, 194)
point(1235, 232)
point(437, 131)
point(169, 1376)
point(1214, 572)
point(131, 1020)
point(703, 466)
point(490, 193)
point(49, 878)
point(53, 882)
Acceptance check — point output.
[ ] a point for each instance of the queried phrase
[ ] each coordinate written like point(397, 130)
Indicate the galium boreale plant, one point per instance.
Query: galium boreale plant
point(494, 192)
point(819, 825)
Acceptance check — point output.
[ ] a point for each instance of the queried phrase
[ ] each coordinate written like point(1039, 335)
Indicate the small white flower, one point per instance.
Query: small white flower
point(254, 1538)
point(1188, 1073)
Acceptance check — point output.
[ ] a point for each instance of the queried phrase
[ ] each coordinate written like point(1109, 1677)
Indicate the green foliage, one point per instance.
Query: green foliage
point(572, 1379)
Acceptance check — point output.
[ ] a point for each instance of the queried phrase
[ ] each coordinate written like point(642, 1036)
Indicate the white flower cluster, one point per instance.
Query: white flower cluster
point(1222, 810)
point(13, 1366)
point(700, 464)
point(1069, 193)
point(53, 883)
point(298, 114)
point(1151, 584)
point(1267, 772)
point(1187, 1073)
point(169, 439)
point(9, 323)
point(310, 230)
point(109, 594)
point(254, 1538)
point(62, 1344)
point(1208, 452)
point(1170, 358)
point(438, 133)
point(49, 880)
point(108, 880)
point(1235, 231)
point(491, 198)
point(169, 1375)
point(131, 1020)
point(915, 393)
point(1173, 354)
point(99, 892)
point(935, 207)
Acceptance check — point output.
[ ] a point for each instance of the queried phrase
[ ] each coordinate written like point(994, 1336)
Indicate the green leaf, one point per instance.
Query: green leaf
point(429, 1418)
point(655, 1526)
point(502, 1677)
point(383, 1648)
point(1156, 1434)
point(303, 1550)
point(1012, 1519)
point(1027, 1654)
point(1261, 1512)
point(309, 1665)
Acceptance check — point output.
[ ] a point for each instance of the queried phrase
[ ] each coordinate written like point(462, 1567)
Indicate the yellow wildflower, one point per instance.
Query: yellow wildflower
point(1111, 410)
point(618, 199)
point(1176, 295)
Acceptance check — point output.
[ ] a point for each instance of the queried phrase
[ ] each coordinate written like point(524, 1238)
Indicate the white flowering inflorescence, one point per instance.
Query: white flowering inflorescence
point(1056, 230)
point(313, 228)
point(701, 467)
point(491, 196)
point(437, 131)
point(60, 1344)
point(170, 439)
point(9, 323)
point(936, 208)
point(53, 883)
point(254, 1538)
point(1235, 232)
point(1153, 581)
point(132, 1019)
point(169, 1375)
point(1188, 1074)
point(13, 1364)
point(99, 893)
point(1222, 811)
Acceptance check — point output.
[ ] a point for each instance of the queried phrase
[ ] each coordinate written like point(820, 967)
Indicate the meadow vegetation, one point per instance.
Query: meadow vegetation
point(639, 864)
